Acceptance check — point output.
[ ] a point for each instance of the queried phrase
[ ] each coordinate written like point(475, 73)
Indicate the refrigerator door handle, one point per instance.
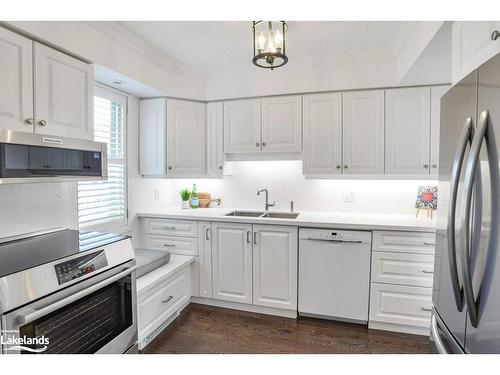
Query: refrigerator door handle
point(465, 139)
point(470, 172)
point(436, 336)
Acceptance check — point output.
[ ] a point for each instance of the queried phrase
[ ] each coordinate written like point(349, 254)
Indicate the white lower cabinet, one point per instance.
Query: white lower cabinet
point(232, 262)
point(275, 266)
point(205, 259)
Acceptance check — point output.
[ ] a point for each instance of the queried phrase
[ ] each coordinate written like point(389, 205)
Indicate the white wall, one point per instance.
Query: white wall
point(285, 182)
point(33, 207)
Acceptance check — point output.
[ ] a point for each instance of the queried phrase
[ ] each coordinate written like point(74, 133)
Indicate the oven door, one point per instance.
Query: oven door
point(97, 315)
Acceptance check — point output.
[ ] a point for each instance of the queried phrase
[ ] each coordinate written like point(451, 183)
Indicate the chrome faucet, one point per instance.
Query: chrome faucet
point(267, 198)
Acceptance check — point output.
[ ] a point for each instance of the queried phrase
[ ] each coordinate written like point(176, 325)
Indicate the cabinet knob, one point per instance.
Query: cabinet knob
point(257, 144)
point(220, 166)
point(434, 166)
point(264, 144)
point(338, 166)
point(495, 35)
point(170, 167)
point(42, 123)
point(346, 166)
point(29, 121)
point(426, 166)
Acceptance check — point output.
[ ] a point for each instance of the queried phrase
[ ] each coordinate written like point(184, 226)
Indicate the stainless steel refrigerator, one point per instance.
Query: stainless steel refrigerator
point(466, 292)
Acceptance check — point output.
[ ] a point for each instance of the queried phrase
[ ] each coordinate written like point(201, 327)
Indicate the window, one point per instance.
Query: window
point(105, 202)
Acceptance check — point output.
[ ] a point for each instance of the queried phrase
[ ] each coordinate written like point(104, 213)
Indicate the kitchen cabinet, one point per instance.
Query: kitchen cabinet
point(242, 130)
point(215, 139)
point(363, 132)
point(43, 90)
point(275, 266)
point(407, 138)
point(472, 45)
point(16, 77)
point(153, 136)
point(205, 259)
point(322, 127)
point(186, 138)
point(64, 96)
point(282, 124)
point(436, 94)
point(232, 262)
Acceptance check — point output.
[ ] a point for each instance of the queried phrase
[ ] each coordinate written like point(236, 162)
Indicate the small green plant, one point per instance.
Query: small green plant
point(185, 193)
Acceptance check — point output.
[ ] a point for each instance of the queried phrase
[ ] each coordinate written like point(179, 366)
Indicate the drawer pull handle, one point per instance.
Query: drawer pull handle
point(169, 245)
point(425, 271)
point(167, 300)
point(429, 244)
point(167, 227)
point(426, 308)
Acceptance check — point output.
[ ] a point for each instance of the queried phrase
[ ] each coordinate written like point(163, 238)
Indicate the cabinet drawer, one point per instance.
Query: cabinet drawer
point(404, 242)
point(402, 269)
point(157, 304)
point(175, 245)
point(404, 305)
point(183, 228)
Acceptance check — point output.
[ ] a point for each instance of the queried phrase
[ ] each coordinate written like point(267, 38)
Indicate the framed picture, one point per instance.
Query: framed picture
point(427, 197)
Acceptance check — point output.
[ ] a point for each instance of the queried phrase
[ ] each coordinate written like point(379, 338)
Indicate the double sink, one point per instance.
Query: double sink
point(264, 214)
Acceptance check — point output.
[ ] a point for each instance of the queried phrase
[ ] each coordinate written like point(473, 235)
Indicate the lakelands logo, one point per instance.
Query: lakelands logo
point(11, 341)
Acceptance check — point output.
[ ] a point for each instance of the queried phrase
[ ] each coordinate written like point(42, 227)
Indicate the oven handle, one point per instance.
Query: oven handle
point(32, 316)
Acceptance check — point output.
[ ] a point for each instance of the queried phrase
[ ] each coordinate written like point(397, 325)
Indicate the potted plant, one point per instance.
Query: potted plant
point(185, 194)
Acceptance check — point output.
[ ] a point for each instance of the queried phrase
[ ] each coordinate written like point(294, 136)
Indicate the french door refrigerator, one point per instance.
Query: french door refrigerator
point(466, 291)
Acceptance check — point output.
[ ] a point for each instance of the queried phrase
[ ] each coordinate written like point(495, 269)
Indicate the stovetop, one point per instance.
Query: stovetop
point(25, 253)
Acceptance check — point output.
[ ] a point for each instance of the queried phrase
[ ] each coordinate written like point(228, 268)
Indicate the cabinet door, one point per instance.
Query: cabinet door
point(407, 131)
point(205, 259)
point(363, 132)
point(282, 124)
point(232, 262)
point(472, 46)
point(275, 266)
point(64, 95)
point(242, 130)
point(215, 139)
point(153, 119)
point(322, 121)
point(186, 138)
point(436, 94)
point(16, 77)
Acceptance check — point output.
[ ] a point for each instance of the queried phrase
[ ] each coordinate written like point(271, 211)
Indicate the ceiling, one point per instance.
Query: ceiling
point(210, 46)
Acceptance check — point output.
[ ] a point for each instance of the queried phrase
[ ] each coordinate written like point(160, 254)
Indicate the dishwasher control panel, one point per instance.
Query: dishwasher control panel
point(335, 235)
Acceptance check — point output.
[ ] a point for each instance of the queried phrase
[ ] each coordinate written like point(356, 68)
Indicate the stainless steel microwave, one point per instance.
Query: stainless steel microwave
point(28, 158)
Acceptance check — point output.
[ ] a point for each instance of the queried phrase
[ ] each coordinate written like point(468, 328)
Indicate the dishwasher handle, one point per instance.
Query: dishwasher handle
point(330, 240)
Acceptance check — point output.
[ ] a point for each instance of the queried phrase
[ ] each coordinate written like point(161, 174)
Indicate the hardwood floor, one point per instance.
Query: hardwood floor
point(205, 329)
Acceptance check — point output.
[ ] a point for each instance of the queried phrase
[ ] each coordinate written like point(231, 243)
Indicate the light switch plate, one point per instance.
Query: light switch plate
point(349, 196)
point(156, 194)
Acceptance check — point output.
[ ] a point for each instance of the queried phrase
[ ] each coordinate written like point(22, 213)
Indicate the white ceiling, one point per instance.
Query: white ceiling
point(211, 46)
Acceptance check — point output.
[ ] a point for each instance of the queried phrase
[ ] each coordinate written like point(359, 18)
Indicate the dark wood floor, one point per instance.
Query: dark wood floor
point(205, 329)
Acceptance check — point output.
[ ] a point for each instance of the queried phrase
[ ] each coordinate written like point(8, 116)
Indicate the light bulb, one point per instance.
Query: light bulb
point(261, 40)
point(270, 43)
point(278, 39)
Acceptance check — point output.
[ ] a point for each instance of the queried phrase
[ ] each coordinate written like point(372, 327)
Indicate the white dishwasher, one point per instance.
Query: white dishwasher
point(334, 274)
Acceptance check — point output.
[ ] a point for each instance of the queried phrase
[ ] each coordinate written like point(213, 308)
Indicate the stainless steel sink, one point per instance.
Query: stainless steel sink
point(281, 215)
point(246, 213)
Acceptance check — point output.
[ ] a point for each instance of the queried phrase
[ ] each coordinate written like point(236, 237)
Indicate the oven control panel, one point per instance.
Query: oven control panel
point(81, 266)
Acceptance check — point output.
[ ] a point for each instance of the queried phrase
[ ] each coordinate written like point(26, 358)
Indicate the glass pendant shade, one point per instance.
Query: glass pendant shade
point(269, 48)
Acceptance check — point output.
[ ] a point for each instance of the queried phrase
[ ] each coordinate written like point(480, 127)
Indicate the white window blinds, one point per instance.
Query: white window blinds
point(101, 202)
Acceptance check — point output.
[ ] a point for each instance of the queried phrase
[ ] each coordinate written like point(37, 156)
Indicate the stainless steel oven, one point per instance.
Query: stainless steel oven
point(92, 308)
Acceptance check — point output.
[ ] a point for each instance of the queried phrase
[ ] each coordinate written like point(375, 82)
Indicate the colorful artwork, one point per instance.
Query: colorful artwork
point(427, 197)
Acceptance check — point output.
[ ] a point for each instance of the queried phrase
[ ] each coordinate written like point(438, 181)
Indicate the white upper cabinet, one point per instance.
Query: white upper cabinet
point(322, 122)
point(472, 45)
point(232, 262)
point(407, 129)
point(186, 138)
point(153, 117)
point(63, 94)
point(215, 139)
point(242, 130)
point(275, 266)
point(282, 124)
point(16, 82)
point(436, 94)
point(363, 132)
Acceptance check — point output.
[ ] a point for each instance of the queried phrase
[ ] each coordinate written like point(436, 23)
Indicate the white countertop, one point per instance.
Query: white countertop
point(306, 219)
point(176, 263)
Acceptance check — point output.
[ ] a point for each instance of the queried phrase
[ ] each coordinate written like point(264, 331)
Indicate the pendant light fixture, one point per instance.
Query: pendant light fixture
point(269, 47)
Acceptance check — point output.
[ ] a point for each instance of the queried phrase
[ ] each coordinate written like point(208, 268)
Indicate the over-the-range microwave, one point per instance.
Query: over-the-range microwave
point(28, 158)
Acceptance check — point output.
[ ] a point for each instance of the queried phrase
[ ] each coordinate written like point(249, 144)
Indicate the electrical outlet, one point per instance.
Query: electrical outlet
point(157, 194)
point(349, 196)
